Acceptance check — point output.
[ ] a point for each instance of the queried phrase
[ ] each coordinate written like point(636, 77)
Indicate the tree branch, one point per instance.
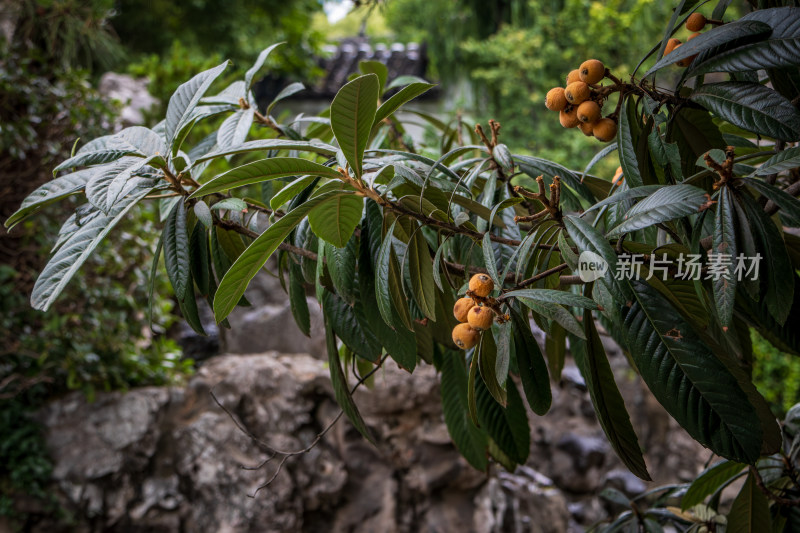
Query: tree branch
point(287, 454)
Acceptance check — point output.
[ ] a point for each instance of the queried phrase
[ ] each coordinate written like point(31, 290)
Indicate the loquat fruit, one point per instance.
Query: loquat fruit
point(696, 22)
point(569, 119)
point(465, 337)
point(576, 92)
point(588, 111)
point(592, 71)
point(462, 307)
point(573, 76)
point(587, 128)
point(480, 318)
point(555, 99)
point(692, 36)
point(605, 129)
point(481, 285)
point(672, 44)
point(618, 176)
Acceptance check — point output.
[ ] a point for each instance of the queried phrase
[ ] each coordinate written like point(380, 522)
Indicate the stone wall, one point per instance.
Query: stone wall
point(170, 459)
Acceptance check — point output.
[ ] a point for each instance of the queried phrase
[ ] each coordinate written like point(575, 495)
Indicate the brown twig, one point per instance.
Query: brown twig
point(287, 454)
point(780, 500)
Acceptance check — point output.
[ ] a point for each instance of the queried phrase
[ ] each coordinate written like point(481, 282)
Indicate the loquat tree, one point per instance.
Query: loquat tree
point(446, 258)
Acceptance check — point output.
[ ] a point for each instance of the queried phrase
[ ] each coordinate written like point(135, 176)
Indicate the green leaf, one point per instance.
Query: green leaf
point(591, 359)
point(176, 250)
point(715, 40)
point(352, 115)
point(350, 328)
point(724, 242)
point(557, 313)
point(532, 369)
point(377, 68)
point(340, 388)
point(780, 50)
point(489, 260)
point(508, 426)
point(297, 299)
point(751, 106)
point(692, 384)
point(263, 170)
point(587, 238)
point(472, 403)
point(252, 71)
point(184, 100)
point(788, 203)
point(487, 365)
point(399, 343)
point(234, 129)
point(533, 166)
point(342, 267)
point(286, 92)
point(667, 203)
point(775, 260)
point(291, 190)
point(200, 263)
point(336, 219)
point(750, 510)
point(628, 133)
point(403, 96)
point(151, 280)
point(75, 250)
point(709, 481)
point(470, 441)
point(502, 339)
point(387, 295)
point(235, 281)
point(621, 195)
point(188, 306)
point(314, 146)
point(553, 296)
point(51, 192)
point(421, 270)
point(95, 158)
point(203, 214)
point(785, 160)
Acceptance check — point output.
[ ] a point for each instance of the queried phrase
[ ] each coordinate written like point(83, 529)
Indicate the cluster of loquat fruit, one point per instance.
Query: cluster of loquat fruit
point(474, 317)
point(580, 105)
point(695, 23)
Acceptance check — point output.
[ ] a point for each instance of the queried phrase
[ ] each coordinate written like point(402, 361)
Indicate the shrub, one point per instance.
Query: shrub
point(389, 238)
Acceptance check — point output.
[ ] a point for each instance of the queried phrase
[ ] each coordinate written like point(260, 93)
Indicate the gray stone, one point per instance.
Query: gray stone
point(625, 482)
point(131, 93)
point(272, 327)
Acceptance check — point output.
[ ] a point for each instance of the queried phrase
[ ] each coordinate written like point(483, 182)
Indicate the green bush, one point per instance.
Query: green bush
point(388, 239)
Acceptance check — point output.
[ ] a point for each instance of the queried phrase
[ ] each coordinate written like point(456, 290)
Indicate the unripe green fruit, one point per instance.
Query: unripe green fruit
point(592, 71)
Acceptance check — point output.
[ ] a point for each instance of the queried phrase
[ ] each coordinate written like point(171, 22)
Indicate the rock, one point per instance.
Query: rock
point(272, 327)
point(131, 93)
point(172, 459)
point(269, 325)
point(625, 482)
